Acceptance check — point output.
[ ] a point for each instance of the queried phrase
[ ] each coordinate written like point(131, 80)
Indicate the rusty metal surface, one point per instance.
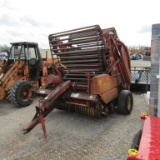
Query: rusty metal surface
point(119, 58)
point(81, 50)
point(54, 79)
point(46, 106)
point(83, 96)
point(91, 49)
point(109, 95)
point(103, 83)
point(91, 108)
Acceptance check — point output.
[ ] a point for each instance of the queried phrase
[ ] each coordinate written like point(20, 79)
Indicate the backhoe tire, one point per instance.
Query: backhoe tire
point(8, 95)
point(7, 98)
point(125, 102)
point(21, 93)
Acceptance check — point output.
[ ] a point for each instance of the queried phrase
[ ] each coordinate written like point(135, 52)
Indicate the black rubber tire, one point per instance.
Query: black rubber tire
point(8, 95)
point(15, 93)
point(7, 98)
point(136, 140)
point(125, 102)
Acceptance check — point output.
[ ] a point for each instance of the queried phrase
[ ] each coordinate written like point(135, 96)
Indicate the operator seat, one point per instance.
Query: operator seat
point(33, 68)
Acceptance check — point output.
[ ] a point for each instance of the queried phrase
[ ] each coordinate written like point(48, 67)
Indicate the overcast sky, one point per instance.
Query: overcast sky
point(34, 20)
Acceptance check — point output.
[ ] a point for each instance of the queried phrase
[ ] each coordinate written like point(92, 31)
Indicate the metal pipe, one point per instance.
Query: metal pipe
point(80, 61)
point(83, 65)
point(79, 30)
point(78, 52)
point(79, 57)
point(79, 41)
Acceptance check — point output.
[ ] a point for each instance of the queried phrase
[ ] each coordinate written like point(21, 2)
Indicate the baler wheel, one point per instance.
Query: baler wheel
point(21, 93)
point(125, 102)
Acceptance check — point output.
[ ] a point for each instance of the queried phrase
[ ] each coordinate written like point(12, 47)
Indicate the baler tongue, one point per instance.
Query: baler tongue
point(46, 106)
point(38, 118)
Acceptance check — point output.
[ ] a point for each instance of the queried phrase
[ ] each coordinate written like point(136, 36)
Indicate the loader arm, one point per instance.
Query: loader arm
point(13, 74)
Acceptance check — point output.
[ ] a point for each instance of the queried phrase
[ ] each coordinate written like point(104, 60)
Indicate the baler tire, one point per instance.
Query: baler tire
point(125, 102)
point(21, 93)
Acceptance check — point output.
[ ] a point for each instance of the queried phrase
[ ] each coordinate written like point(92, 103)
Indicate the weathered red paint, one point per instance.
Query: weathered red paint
point(149, 148)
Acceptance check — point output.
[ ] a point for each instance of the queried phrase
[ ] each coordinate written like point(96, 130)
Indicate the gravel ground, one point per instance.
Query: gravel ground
point(70, 136)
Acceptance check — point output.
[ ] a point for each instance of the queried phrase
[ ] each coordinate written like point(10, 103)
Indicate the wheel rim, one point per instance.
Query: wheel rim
point(26, 93)
point(129, 103)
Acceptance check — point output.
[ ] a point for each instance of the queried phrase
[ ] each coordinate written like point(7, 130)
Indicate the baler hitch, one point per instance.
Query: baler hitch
point(46, 106)
point(38, 118)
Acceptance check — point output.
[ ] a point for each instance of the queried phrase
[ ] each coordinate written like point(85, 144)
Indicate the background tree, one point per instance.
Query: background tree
point(4, 47)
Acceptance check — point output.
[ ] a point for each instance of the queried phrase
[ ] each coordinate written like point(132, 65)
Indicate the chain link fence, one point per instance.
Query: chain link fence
point(141, 76)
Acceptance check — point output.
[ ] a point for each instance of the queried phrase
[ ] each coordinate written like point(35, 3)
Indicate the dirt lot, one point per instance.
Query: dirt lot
point(70, 136)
